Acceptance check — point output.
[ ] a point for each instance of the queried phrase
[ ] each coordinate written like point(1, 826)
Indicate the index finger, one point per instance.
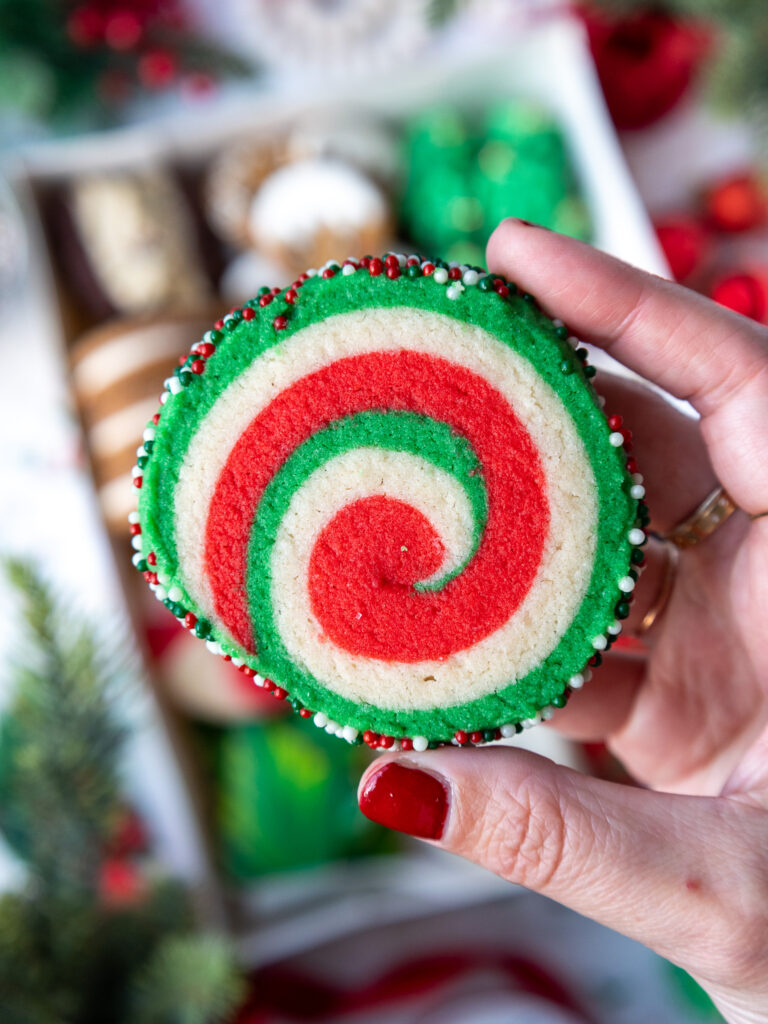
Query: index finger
point(693, 348)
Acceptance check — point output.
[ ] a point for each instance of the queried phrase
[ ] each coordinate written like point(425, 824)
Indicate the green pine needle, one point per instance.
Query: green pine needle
point(190, 980)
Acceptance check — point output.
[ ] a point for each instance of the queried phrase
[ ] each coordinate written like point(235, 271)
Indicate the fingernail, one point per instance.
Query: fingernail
point(530, 224)
point(406, 800)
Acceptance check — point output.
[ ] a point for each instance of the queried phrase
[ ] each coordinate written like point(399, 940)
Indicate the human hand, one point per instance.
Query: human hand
point(683, 865)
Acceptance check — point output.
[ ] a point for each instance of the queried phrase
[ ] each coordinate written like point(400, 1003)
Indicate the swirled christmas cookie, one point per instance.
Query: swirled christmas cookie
point(389, 494)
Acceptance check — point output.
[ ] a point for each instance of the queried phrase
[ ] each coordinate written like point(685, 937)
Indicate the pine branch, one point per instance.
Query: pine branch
point(190, 980)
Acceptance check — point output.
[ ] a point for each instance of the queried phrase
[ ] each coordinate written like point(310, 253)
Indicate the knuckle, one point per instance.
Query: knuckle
point(524, 836)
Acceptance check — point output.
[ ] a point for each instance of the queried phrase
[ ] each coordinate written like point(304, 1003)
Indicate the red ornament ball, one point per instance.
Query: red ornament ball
point(737, 203)
point(746, 293)
point(646, 63)
point(686, 243)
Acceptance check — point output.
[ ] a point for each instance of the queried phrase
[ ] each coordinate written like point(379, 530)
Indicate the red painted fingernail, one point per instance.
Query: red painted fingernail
point(406, 799)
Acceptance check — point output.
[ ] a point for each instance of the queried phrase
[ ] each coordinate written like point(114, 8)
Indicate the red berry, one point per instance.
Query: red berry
point(738, 203)
point(151, 558)
point(135, 528)
point(305, 712)
point(685, 242)
point(461, 737)
point(454, 274)
point(291, 295)
point(746, 293)
point(406, 743)
point(393, 273)
point(190, 620)
point(264, 300)
point(85, 26)
point(157, 69)
point(614, 422)
point(280, 323)
point(375, 267)
point(197, 366)
point(248, 313)
point(476, 737)
point(122, 30)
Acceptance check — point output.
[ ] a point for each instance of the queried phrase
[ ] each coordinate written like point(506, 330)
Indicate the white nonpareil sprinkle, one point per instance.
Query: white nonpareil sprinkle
point(635, 536)
point(149, 434)
point(133, 517)
point(420, 743)
point(440, 275)
point(626, 584)
point(637, 491)
point(615, 628)
point(470, 277)
point(135, 471)
point(508, 730)
point(176, 594)
point(600, 643)
point(347, 269)
point(454, 290)
point(546, 714)
point(349, 733)
point(320, 720)
point(576, 682)
point(137, 543)
point(616, 439)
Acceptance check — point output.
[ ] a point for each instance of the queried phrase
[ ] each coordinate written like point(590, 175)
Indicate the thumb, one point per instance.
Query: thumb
point(678, 873)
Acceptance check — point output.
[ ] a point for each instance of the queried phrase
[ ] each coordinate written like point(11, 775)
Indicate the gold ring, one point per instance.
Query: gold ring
point(665, 590)
point(716, 508)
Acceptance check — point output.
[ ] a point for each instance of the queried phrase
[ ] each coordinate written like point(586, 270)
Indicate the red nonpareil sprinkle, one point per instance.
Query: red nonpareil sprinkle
point(279, 693)
point(427, 269)
point(190, 620)
point(366, 261)
point(206, 349)
point(375, 267)
point(156, 418)
point(386, 742)
point(370, 737)
point(291, 295)
point(137, 481)
point(501, 289)
point(393, 273)
point(280, 323)
point(305, 712)
point(135, 529)
point(219, 325)
point(197, 366)
point(406, 743)
point(476, 737)
point(454, 274)
point(264, 300)
point(328, 273)
point(151, 558)
point(248, 671)
point(391, 261)
point(412, 261)
point(248, 313)
point(632, 465)
point(615, 422)
point(461, 737)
